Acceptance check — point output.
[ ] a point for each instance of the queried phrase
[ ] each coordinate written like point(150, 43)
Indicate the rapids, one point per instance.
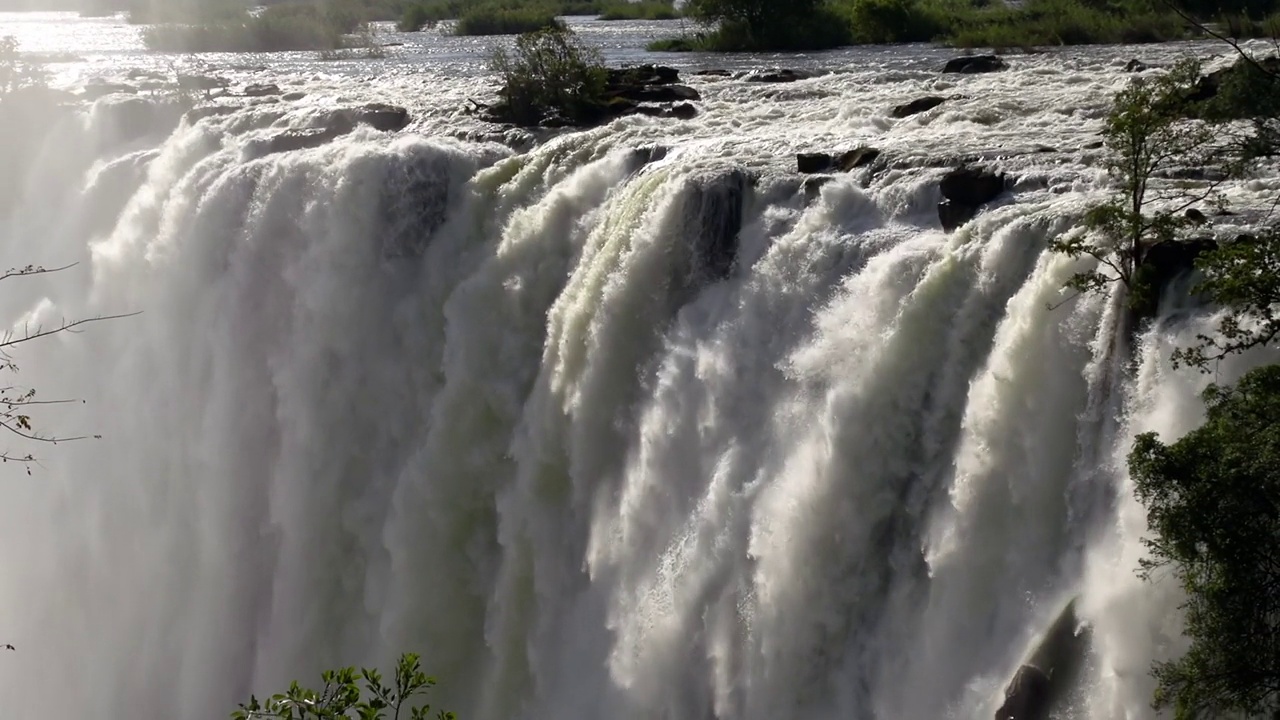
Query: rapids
point(601, 433)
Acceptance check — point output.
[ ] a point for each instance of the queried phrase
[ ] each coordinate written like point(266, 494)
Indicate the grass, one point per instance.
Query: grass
point(292, 26)
point(640, 10)
point(496, 21)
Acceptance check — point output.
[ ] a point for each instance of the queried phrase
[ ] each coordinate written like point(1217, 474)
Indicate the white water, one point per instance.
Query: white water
point(408, 393)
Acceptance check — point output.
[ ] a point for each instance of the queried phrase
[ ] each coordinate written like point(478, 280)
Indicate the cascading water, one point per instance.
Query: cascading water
point(600, 432)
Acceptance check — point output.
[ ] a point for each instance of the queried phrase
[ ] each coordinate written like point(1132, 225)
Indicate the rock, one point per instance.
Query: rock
point(195, 115)
point(1161, 264)
point(683, 111)
point(262, 90)
point(1095, 145)
point(918, 105)
point(714, 73)
point(291, 140)
point(780, 76)
point(972, 64)
point(658, 93)
point(719, 200)
point(649, 153)
point(204, 83)
point(1196, 216)
point(643, 75)
point(1136, 66)
point(98, 89)
point(1050, 673)
point(387, 118)
point(137, 74)
point(809, 163)
point(292, 96)
point(964, 190)
point(860, 157)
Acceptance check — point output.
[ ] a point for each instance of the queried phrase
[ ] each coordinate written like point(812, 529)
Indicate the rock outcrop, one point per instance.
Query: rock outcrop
point(780, 76)
point(261, 90)
point(1050, 673)
point(917, 106)
point(973, 64)
point(809, 163)
point(965, 190)
point(387, 118)
point(652, 90)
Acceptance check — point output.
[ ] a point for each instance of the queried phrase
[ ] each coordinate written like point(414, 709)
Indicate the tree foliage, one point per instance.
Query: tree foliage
point(1213, 508)
point(355, 694)
point(549, 73)
point(1148, 133)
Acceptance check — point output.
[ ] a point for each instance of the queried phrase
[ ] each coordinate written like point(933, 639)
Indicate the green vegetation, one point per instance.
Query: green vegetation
point(292, 26)
point(489, 20)
point(349, 693)
point(1213, 497)
point(1213, 508)
point(550, 73)
point(640, 10)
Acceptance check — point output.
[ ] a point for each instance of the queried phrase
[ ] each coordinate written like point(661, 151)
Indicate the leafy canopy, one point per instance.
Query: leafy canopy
point(1213, 508)
point(342, 696)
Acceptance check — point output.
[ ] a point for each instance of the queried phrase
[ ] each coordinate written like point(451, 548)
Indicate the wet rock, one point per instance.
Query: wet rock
point(202, 83)
point(716, 203)
point(916, 106)
point(809, 163)
point(98, 88)
point(195, 115)
point(1050, 674)
point(261, 90)
point(292, 96)
point(659, 94)
point(972, 64)
point(291, 140)
point(856, 158)
point(1095, 145)
point(643, 75)
point(139, 74)
point(651, 90)
point(649, 153)
point(780, 76)
point(1161, 264)
point(1136, 66)
point(965, 190)
point(713, 73)
point(683, 111)
point(387, 118)
point(1196, 216)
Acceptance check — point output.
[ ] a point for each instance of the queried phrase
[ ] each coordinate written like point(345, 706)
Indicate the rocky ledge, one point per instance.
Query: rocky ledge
point(653, 90)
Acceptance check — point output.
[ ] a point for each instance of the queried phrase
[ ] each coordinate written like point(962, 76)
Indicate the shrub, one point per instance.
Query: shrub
point(894, 21)
point(349, 693)
point(489, 20)
point(277, 28)
point(640, 10)
point(550, 73)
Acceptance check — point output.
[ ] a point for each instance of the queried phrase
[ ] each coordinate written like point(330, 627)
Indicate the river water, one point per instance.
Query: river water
point(421, 391)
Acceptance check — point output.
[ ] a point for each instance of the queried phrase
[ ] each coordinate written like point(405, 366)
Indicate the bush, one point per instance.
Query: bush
point(894, 21)
point(277, 28)
point(349, 693)
point(640, 10)
point(488, 20)
point(1063, 22)
point(550, 73)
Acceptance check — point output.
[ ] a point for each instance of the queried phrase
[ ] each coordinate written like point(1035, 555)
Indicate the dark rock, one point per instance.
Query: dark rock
point(1161, 264)
point(195, 115)
point(918, 105)
point(808, 163)
point(262, 90)
point(780, 76)
point(1136, 66)
point(813, 185)
point(649, 153)
point(204, 83)
point(1040, 684)
point(975, 64)
point(657, 93)
point(714, 73)
point(643, 75)
point(291, 140)
point(1196, 216)
point(859, 157)
point(137, 74)
point(387, 118)
point(293, 96)
point(719, 201)
point(965, 190)
point(98, 89)
point(683, 111)
point(1095, 145)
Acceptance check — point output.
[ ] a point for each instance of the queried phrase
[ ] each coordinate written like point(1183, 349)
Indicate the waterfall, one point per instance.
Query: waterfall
point(599, 432)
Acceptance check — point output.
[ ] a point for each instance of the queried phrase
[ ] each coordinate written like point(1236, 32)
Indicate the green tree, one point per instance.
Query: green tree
point(348, 693)
point(1213, 508)
point(550, 73)
point(1147, 133)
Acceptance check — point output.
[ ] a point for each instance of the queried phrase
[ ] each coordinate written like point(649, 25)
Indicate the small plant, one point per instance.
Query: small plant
point(550, 73)
point(348, 693)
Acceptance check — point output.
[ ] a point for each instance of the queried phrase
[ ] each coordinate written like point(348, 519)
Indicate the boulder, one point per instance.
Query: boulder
point(972, 64)
point(780, 76)
point(1027, 696)
point(195, 115)
point(918, 105)
point(626, 92)
point(683, 111)
point(1136, 66)
point(387, 118)
point(808, 163)
point(1196, 216)
point(98, 89)
point(1161, 264)
point(291, 140)
point(714, 73)
point(719, 201)
point(202, 83)
point(644, 75)
point(658, 93)
point(139, 74)
point(856, 158)
point(261, 90)
point(964, 190)
point(1050, 674)
point(293, 96)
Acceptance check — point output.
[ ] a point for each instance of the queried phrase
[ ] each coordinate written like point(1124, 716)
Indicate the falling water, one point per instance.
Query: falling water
point(601, 432)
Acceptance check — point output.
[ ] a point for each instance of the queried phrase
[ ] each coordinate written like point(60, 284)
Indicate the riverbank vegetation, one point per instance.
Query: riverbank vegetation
point(348, 693)
point(327, 26)
point(737, 25)
point(1212, 497)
